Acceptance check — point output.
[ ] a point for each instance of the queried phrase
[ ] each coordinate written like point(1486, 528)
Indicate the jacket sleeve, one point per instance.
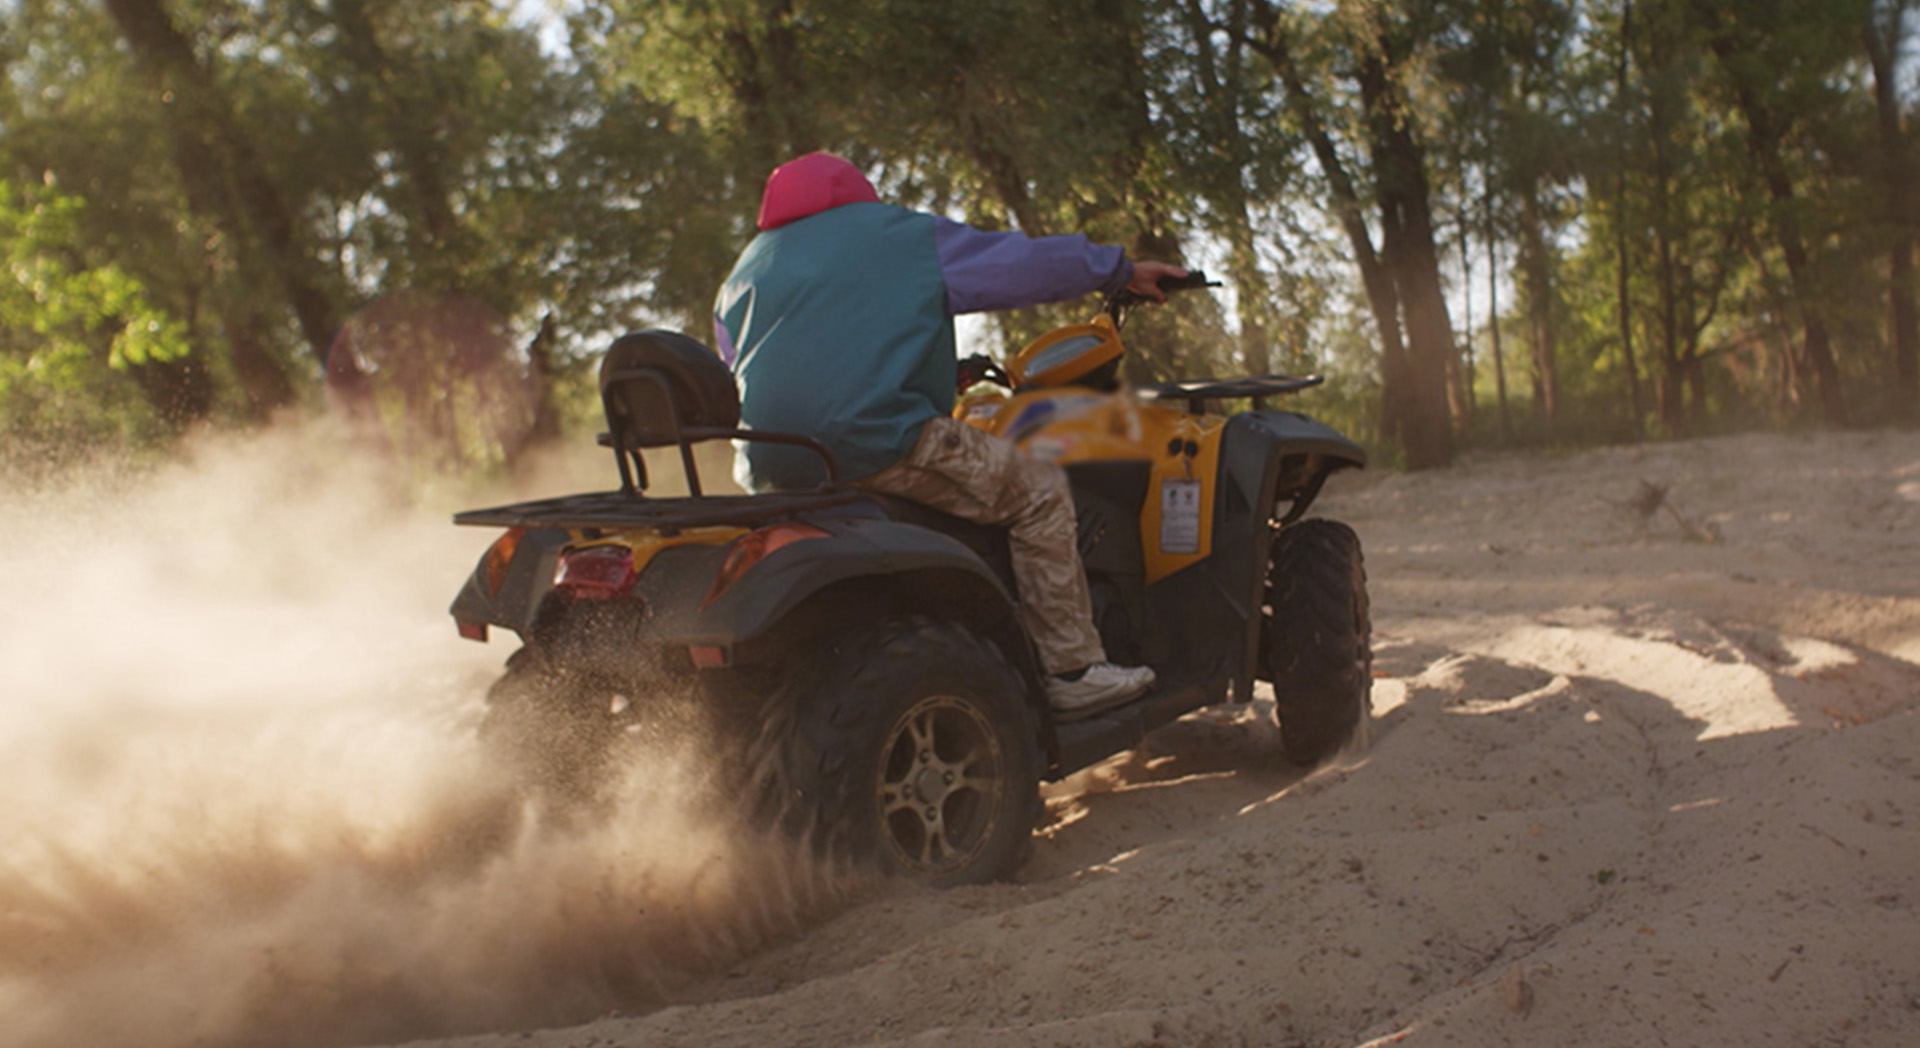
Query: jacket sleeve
point(991, 271)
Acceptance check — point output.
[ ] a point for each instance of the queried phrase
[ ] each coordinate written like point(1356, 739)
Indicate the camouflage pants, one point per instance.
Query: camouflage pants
point(960, 470)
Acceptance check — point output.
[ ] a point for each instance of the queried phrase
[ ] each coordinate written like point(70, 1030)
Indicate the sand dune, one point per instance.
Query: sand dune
point(1641, 773)
point(1626, 787)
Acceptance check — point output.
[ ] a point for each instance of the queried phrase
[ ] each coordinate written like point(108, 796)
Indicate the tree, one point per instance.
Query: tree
point(1690, 223)
point(225, 175)
point(1775, 59)
point(1232, 153)
point(83, 352)
point(311, 158)
point(1402, 276)
point(1714, 195)
point(1882, 34)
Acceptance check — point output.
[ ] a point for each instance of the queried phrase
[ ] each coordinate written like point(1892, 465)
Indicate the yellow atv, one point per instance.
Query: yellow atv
point(860, 656)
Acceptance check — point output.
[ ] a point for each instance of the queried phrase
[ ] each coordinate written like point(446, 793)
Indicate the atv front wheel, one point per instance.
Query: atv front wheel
point(1317, 647)
point(914, 750)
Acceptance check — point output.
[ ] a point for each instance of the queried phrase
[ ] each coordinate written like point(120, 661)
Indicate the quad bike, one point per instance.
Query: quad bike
point(863, 654)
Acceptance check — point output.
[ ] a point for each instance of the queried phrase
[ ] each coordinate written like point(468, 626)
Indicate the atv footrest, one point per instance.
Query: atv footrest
point(1087, 742)
point(621, 509)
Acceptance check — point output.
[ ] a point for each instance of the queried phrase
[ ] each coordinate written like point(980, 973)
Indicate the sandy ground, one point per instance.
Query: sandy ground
point(1635, 779)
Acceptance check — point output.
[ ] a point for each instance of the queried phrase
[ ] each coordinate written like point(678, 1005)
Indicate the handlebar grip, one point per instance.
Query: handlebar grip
point(1193, 281)
point(976, 369)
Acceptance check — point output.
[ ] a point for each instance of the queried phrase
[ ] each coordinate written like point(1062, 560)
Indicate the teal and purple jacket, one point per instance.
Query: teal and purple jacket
point(838, 325)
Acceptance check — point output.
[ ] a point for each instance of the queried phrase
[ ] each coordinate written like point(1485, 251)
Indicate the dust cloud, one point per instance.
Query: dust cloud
point(243, 804)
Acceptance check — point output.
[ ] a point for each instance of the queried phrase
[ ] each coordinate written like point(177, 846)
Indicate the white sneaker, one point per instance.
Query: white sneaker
point(1101, 687)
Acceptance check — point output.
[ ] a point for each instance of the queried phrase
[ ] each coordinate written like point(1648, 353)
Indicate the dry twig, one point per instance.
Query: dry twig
point(1652, 498)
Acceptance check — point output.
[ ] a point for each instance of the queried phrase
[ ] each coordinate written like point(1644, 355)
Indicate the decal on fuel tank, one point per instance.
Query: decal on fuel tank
point(1030, 418)
point(1179, 515)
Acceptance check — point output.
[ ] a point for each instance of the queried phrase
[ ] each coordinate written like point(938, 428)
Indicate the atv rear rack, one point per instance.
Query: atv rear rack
point(625, 509)
point(1255, 387)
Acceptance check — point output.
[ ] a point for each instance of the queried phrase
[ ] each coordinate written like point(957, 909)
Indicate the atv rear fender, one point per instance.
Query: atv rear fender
point(809, 588)
point(526, 582)
point(909, 567)
point(1272, 466)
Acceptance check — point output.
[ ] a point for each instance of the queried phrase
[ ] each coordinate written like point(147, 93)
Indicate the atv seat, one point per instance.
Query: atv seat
point(660, 389)
point(988, 540)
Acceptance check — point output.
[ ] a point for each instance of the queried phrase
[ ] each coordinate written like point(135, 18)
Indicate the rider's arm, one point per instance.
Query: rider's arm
point(990, 271)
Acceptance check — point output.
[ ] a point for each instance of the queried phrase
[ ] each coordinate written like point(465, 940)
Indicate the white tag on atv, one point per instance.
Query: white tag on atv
point(1179, 516)
point(1047, 448)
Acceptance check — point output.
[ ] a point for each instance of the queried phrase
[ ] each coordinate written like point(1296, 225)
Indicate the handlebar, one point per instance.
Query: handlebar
point(1193, 281)
point(981, 368)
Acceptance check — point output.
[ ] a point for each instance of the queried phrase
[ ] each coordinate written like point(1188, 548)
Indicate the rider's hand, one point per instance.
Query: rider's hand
point(1147, 276)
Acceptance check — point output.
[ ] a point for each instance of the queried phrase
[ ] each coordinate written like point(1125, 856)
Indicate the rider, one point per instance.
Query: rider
point(838, 322)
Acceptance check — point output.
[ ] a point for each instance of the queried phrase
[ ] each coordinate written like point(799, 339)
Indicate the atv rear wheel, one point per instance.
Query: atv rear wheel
point(547, 730)
point(914, 750)
point(1317, 644)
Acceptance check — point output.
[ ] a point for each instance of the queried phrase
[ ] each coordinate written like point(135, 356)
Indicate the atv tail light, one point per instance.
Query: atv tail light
point(499, 555)
point(473, 631)
point(596, 573)
point(710, 657)
point(754, 547)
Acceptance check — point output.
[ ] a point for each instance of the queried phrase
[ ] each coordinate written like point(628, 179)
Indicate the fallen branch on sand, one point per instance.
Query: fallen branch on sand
point(1653, 498)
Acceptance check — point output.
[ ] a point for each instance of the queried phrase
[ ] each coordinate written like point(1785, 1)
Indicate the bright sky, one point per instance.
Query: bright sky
point(549, 15)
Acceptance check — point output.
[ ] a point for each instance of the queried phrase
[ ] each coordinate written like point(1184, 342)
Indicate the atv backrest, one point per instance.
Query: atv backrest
point(661, 388)
point(656, 383)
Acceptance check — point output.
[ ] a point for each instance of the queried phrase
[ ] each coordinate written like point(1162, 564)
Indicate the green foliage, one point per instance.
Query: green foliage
point(73, 335)
point(303, 161)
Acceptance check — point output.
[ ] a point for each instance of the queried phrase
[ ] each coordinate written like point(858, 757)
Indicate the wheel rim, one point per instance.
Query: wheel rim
point(941, 787)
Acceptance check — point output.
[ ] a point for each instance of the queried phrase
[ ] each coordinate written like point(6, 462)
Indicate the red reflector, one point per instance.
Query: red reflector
point(596, 573)
point(473, 631)
point(706, 657)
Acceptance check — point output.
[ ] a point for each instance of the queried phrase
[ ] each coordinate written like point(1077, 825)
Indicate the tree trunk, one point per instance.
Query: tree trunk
point(262, 380)
point(1251, 295)
point(180, 391)
point(1400, 178)
point(1699, 315)
point(1669, 385)
point(1778, 323)
point(1383, 297)
point(765, 80)
point(1493, 324)
point(264, 383)
point(1536, 261)
point(1764, 142)
point(1223, 94)
point(407, 125)
point(1815, 344)
point(1694, 372)
point(1468, 335)
point(1635, 399)
point(215, 154)
point(1897, 170)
